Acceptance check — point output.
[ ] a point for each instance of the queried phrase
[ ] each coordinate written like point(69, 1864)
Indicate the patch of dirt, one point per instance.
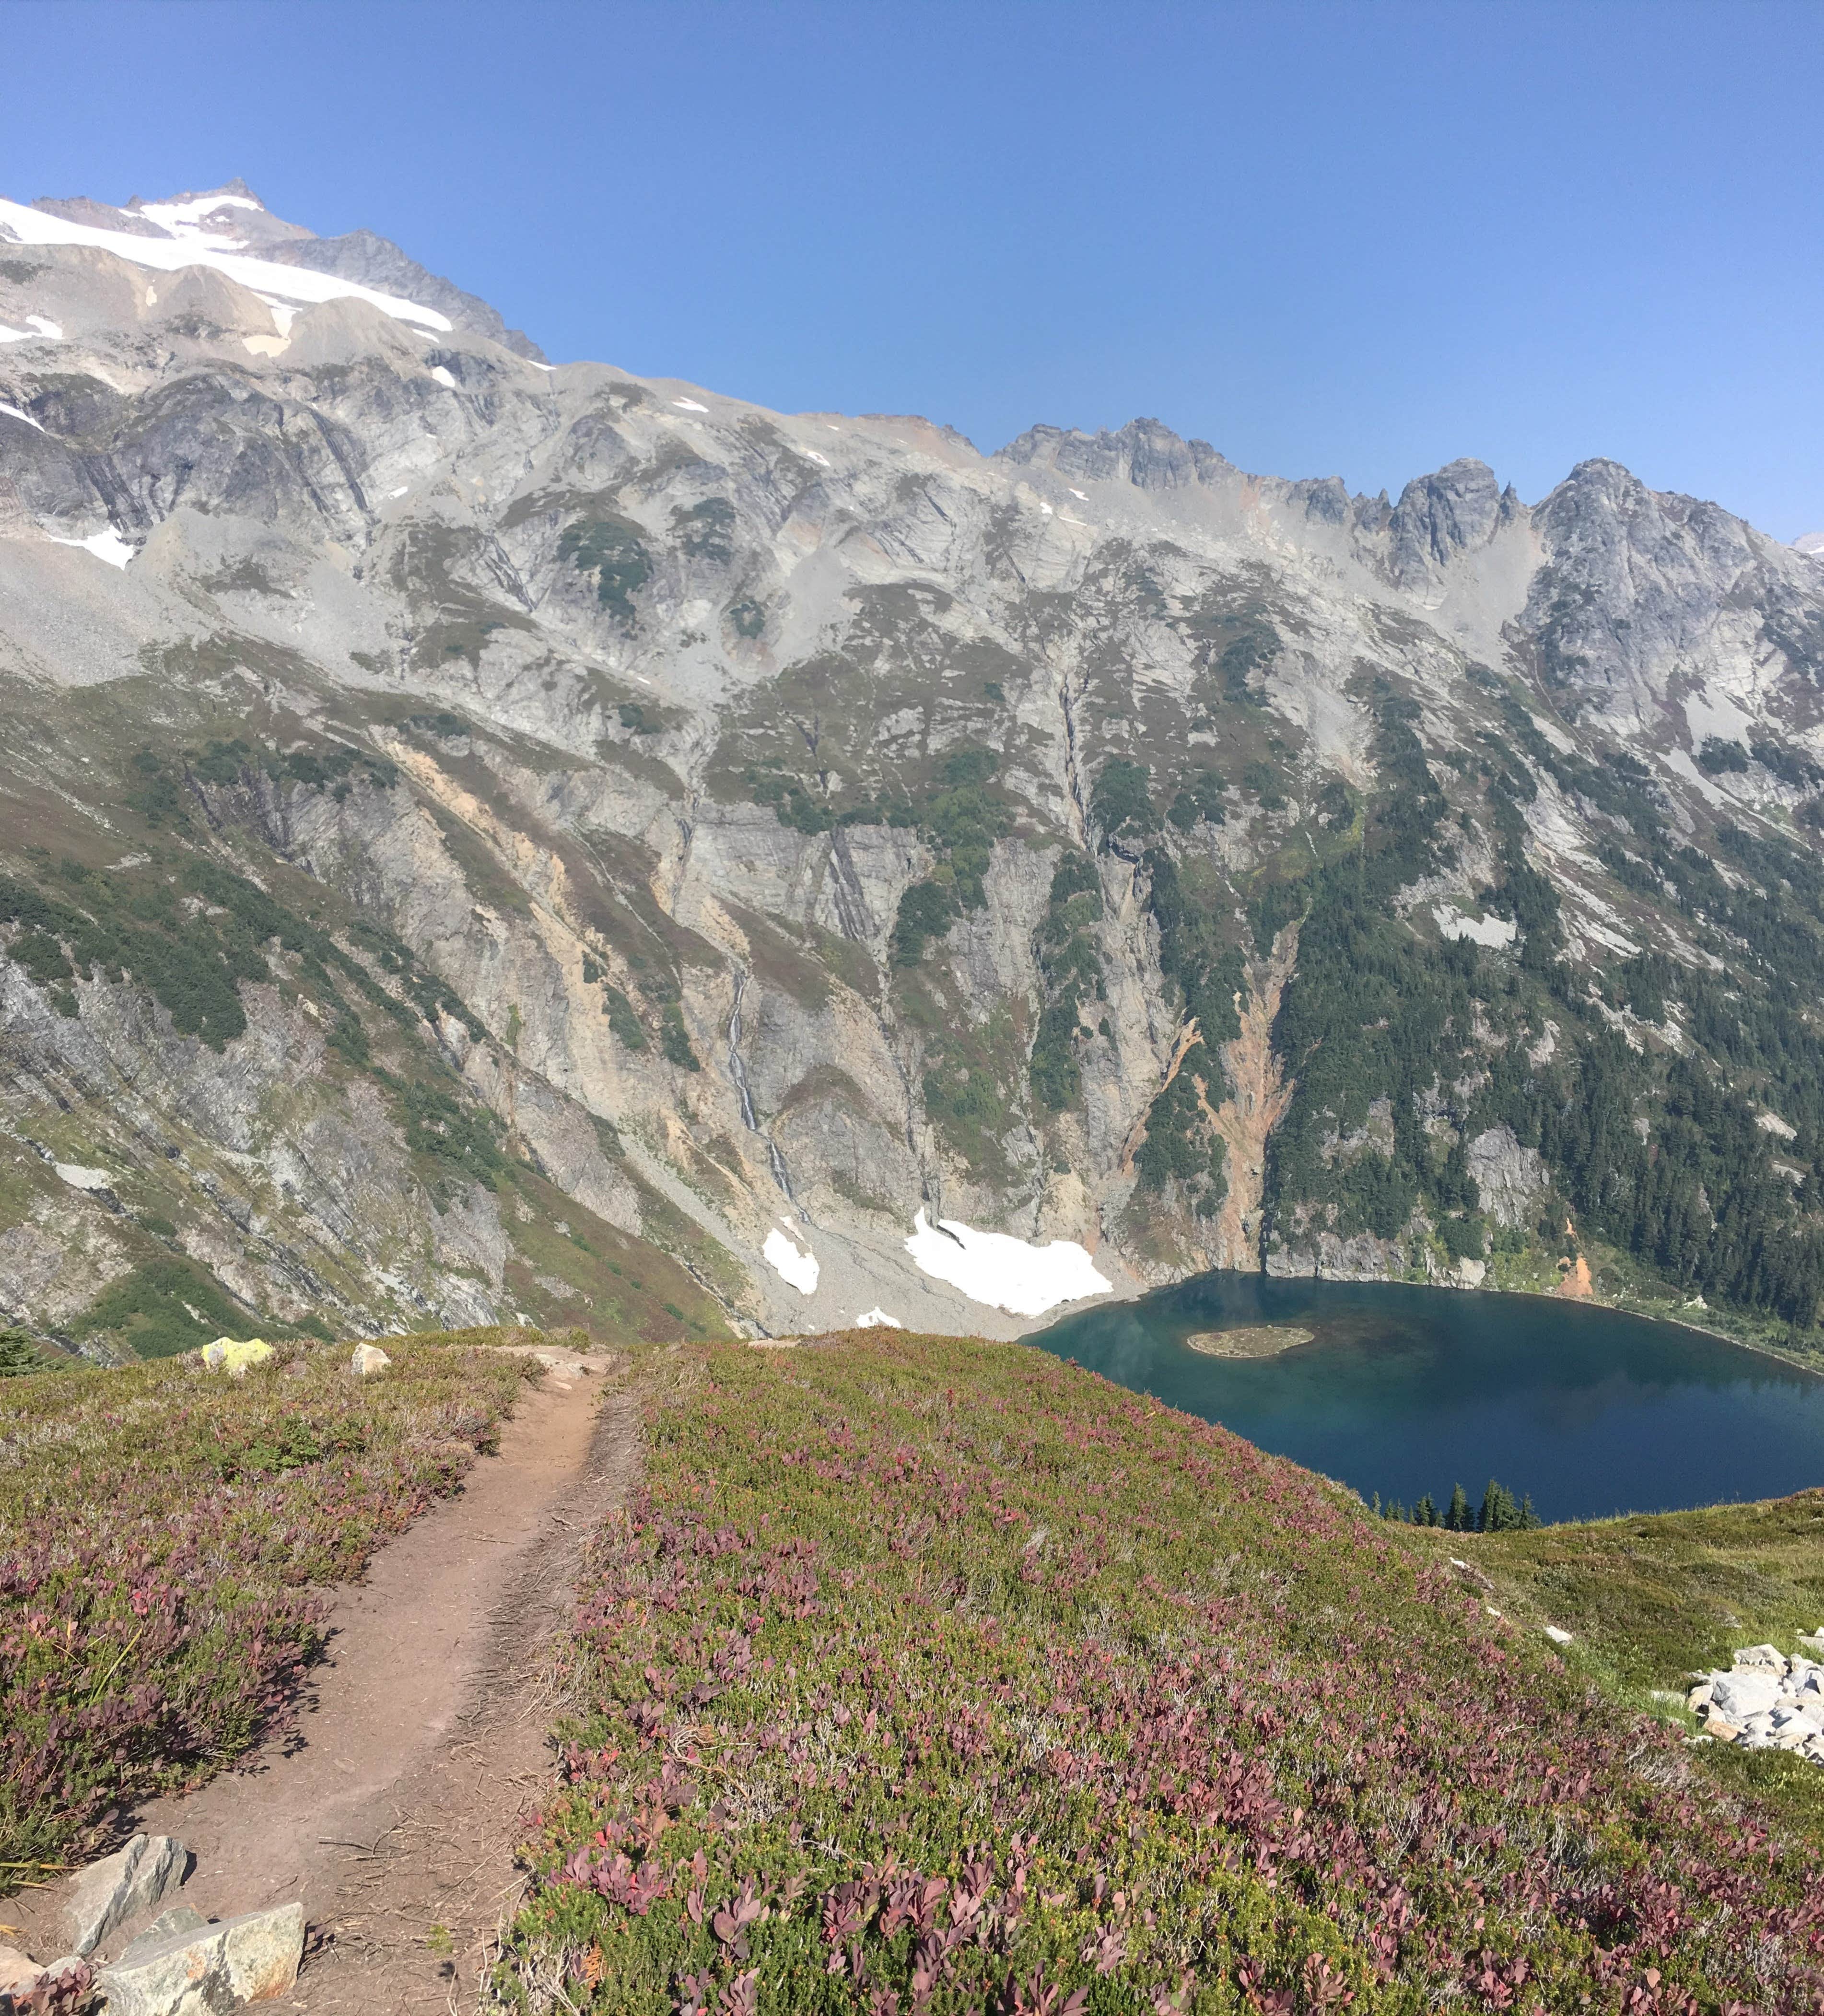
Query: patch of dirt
point(395, 1809)
point(1577, 1283)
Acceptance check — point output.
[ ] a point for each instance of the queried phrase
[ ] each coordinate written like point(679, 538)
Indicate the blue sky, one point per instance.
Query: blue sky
point(1350, 239)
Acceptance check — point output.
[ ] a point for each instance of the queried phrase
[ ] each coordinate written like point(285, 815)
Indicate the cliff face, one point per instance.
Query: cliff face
point(478, 835)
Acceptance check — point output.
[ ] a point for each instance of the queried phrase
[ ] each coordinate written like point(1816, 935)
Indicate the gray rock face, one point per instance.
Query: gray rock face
point(1439, 517)
point(121, 1886)
point(597, 743)
point(1509, 1180)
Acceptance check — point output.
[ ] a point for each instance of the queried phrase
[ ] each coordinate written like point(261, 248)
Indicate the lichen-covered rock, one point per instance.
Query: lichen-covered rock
point(368, 1362)
point(234, 1356)
point(211, 1972)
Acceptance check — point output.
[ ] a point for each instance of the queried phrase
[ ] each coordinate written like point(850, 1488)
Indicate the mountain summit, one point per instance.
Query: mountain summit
point(482, 839)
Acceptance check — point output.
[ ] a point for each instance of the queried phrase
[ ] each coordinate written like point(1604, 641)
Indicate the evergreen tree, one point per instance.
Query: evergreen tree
point(1425, 1512)
point(1457, 1519)
point(1528, 1518)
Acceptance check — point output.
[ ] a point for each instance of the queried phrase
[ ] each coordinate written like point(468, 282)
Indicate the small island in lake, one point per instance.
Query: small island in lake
point(1254, 1340)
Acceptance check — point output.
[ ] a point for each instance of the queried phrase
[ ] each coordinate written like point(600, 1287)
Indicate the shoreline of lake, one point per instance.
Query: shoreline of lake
point(1592, 1409)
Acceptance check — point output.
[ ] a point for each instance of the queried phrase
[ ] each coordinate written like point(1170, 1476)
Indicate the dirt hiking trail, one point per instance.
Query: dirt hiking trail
point(393, 1809)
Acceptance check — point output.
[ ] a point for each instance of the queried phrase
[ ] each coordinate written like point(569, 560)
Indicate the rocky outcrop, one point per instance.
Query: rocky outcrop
point(1766, 1700)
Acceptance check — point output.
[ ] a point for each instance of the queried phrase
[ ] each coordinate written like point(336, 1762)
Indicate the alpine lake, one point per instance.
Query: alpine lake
point(1402, 1390)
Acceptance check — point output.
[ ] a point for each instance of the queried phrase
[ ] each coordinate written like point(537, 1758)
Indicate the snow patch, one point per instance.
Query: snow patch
point(822, 461)
point(400, 492)
point(1716, 714)
point(1005, 1272)
point(197, 247)
point(108, 545)
point(782, 1254)
point(442, 376)
point(284, 315)
point(690, 405)
point(181, 219)
point(876, 1319)
point(52, 332)
point(1493, 931)
point(12, 412)
point(1081, 495)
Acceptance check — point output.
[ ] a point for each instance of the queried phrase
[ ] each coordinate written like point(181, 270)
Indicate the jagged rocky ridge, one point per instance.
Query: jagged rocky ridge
point(477, 836)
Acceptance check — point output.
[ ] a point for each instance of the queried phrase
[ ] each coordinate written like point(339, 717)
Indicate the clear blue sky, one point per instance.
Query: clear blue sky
point(1353, 240)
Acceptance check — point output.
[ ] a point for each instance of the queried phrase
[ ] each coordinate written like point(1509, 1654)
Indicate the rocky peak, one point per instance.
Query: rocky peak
point(231, 223)
point(1458, 508)
point(1144, 453)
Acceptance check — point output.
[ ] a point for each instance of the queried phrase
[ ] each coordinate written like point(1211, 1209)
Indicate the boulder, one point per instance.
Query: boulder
point(166, 1925)
point(1765, 1657)
point(18, 1972)
point(1721, 1728)
point(235, 1356)
point(368, 1360)
point(120, 1886)
point(1557, 1636)
point(1742, 1695)
point(209, 1971)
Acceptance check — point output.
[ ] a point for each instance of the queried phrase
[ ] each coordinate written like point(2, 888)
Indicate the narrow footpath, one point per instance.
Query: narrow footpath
point(394, 1807)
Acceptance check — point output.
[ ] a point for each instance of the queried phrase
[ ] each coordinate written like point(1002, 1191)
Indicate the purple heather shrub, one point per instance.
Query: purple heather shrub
point(163, 1538)
point(929, 1677)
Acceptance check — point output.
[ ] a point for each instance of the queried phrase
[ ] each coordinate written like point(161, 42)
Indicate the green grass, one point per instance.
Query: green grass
point(925, 1675)
point(1649, 1599)
point(162, 1534)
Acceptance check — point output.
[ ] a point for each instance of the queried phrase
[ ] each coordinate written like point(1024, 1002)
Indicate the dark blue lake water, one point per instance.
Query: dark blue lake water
point(1406, 1390)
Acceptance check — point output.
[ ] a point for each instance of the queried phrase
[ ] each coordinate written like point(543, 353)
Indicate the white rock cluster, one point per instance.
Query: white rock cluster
point(1766, 1701)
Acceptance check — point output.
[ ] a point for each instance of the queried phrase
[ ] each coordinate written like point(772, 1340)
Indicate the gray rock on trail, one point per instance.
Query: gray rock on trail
point(163, 1928)
point(209, 1971)
point(120, 1886)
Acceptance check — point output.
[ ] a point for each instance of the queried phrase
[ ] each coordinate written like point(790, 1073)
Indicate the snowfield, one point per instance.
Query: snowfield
point(195, 247)
point(800, 1269)
point(1005, 1272)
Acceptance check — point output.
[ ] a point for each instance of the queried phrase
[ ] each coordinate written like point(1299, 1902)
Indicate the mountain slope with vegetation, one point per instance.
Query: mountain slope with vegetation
point(479, 840)
point(925, 1675)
